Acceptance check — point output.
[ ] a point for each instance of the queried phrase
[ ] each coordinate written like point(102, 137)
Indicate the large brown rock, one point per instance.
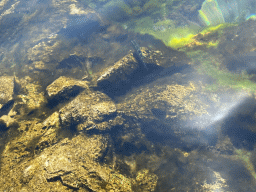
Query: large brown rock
point(74, 164)
point(64, 88)
point(119, 74)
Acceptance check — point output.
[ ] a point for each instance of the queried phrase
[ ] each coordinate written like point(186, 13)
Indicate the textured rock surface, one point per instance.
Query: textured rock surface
point(63, 89)
point(63, 86)
point(120, 73)
point(51, 130)
point(168, 131)
point(89, 106)
point(166, 105)
point(73, 162)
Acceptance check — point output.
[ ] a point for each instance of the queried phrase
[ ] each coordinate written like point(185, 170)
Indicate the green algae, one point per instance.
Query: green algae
point(176, 37)
point(208, 37)
point(223, 78)
point(190, 39)
point(245, 156)
point(180, 40)
point(218, 28)
point(165, 30)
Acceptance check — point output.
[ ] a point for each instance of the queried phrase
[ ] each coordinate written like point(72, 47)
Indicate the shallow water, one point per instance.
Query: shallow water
point(126, 96)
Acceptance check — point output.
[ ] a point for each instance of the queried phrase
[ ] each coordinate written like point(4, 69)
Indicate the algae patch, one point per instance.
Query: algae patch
point(211, 66)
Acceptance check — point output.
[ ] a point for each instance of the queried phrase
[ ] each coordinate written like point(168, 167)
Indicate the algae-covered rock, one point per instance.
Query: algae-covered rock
point(119, 182)
point(162, 93)
point(62, 163)
point(8, 121)
point(88, 106)
point(166, 105)
point(50, 136)
point(131, 70)
point(74, 163)
point(63, 88)
point(146, 181)
point(64, 85)
point(119, 74)
point(238, 40)
point(29, 98)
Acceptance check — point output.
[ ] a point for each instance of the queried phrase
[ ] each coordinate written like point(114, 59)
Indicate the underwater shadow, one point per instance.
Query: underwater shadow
point(240, 126)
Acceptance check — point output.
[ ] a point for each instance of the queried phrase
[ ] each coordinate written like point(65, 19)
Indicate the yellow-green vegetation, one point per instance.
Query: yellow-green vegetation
point(207, 38)
point(180, 40)
point(245, 157)
point(178, 37)
point(165, 30)
point(146, 26)
point(218, 28)
point(252, 17)
point(209, 65)
point(141, 15)
point(189, 38)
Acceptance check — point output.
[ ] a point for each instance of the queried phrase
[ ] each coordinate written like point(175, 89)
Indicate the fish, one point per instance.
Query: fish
point(138, 54)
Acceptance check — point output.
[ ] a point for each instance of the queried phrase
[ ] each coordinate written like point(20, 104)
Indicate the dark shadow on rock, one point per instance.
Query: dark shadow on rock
point(82, 28)
point(245, 62)
point(176, 135)
point(123, 86)
point(6, 108)
point(71, 62)
point(237, 176)
point(3, 126)
point(64, 97)
point(121, 38)
point(239, 136)
point(239, 125)
point(129, 148)
point(120, 147)
point(158, 113)
point(165, 135)
point(139, 77)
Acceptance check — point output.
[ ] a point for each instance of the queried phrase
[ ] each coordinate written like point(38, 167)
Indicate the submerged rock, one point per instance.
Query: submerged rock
point(51, 130)
point(238, 40)
point(120, 74)
point(89, 107)
point(168, 108)
point(64, 88)
point(146, 181)
point(74, 163)
point(136, 67)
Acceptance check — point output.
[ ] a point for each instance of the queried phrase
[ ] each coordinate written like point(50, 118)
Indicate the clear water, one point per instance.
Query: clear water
point(204, 143)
